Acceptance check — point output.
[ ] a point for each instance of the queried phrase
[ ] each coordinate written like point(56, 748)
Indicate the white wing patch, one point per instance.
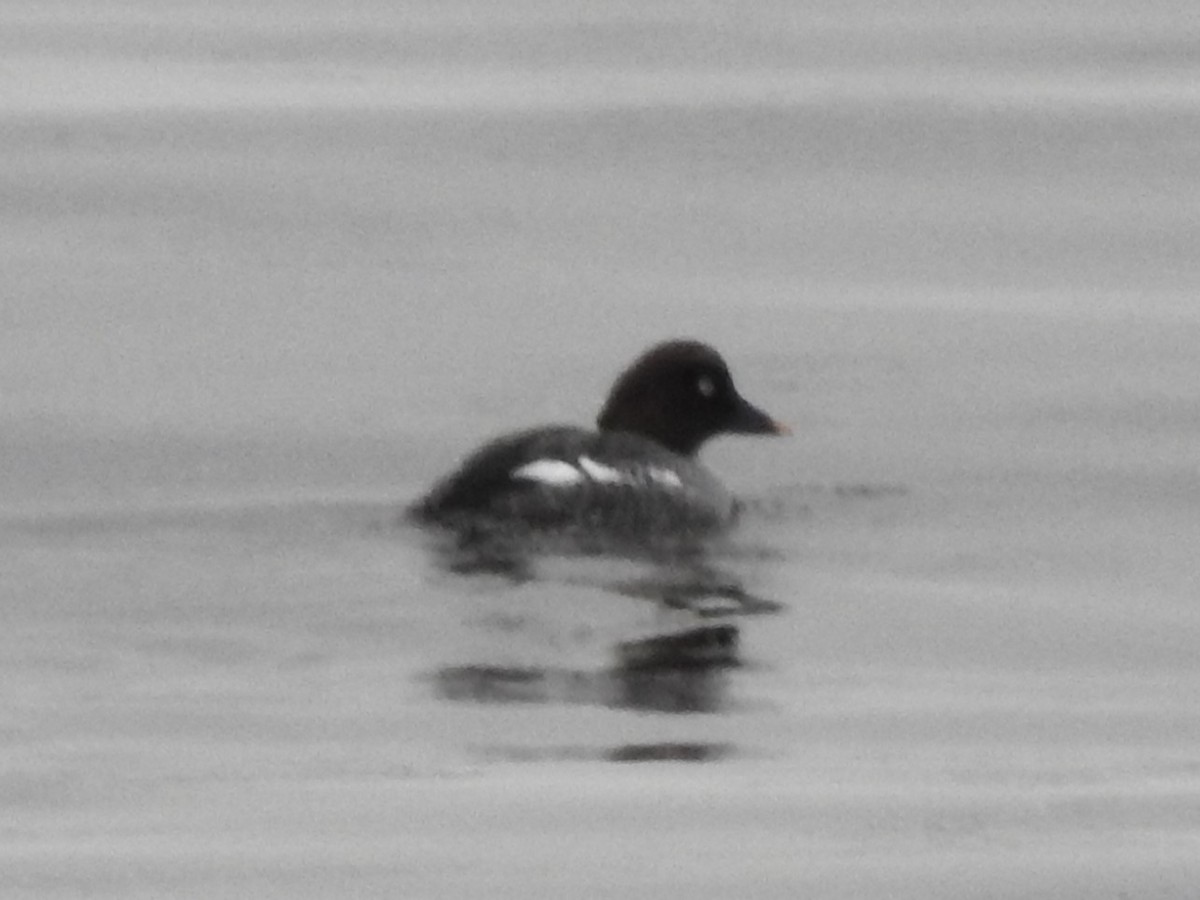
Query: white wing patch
point(552, 472)
point(559, 473)
point(664, 476)
point(637, 475)
point(601, 473)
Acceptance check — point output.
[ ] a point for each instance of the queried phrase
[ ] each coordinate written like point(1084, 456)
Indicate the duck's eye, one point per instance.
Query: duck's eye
point(706, 386)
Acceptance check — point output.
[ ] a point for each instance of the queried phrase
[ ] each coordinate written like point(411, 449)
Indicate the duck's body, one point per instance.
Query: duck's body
point(562, 477)
point(635, 479)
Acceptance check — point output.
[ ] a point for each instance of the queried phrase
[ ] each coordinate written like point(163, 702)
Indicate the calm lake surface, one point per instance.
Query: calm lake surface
point(270, 272)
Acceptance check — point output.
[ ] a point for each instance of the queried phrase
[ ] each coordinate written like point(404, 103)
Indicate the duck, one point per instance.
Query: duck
point(634, 481)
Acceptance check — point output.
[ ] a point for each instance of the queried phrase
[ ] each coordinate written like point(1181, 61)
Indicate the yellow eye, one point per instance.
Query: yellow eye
point(706, 386)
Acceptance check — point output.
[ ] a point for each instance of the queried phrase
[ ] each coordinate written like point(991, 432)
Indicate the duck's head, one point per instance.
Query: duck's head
point(680, 394)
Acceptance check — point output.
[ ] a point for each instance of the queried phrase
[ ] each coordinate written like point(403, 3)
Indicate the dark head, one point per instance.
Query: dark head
point(680, 393)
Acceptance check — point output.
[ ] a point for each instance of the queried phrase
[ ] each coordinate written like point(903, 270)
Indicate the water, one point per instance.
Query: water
point(269, 273)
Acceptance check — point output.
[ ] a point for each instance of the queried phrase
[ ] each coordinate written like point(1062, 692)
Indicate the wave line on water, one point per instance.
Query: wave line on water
point(55, 86)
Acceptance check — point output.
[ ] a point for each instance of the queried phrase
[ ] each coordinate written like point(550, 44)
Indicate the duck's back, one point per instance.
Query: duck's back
point(583, 483)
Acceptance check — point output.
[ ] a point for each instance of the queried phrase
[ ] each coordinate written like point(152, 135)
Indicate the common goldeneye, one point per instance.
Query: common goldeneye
point(633, 482)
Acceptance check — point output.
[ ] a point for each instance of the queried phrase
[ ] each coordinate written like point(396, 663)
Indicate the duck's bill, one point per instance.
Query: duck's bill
point(749, 419)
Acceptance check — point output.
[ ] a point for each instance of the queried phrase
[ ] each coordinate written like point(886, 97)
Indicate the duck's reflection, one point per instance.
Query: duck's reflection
point(655, 751)
point(685, 671)
point(685, 667)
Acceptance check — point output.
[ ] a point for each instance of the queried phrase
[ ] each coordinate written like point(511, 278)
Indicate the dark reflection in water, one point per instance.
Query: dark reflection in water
point(671, 751)
point(698, 585)
point(686, 671)
point(672, 690)
point(690, 577)
point(662, 751)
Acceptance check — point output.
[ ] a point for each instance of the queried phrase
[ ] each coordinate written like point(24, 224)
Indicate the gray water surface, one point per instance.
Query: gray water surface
point(270, 272)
